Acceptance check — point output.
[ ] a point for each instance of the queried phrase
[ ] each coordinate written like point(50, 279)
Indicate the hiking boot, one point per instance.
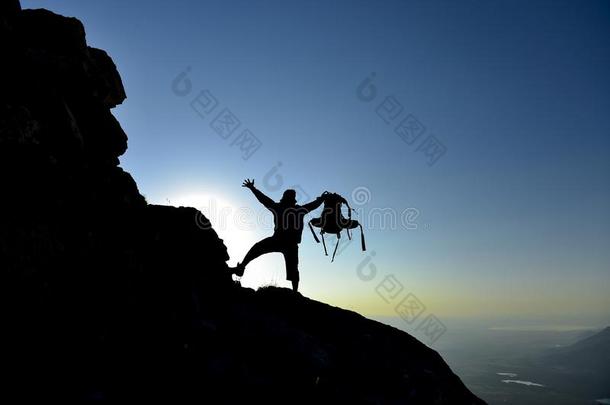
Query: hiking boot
point(238, 270)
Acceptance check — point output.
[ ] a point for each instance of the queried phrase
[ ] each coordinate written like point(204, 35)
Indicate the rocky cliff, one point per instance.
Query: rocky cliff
point(105, 297)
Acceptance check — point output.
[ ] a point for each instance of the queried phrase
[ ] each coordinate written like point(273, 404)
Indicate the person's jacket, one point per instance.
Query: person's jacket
point(288, 219)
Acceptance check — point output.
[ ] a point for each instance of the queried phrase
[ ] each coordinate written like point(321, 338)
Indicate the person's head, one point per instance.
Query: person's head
point(289, 197)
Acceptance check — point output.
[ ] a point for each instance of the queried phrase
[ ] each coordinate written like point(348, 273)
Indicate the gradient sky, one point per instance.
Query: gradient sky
point(513, 219)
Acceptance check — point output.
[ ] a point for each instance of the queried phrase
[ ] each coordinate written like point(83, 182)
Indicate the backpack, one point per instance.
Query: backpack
point(332, 221)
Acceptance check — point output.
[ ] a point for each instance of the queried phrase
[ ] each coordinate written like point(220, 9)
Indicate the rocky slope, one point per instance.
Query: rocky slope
point(105, 297)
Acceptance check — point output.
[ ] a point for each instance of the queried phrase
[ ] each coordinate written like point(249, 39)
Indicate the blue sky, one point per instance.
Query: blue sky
point(513, 219)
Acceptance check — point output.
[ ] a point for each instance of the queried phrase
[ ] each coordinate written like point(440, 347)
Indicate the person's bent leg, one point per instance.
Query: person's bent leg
point(260, 248)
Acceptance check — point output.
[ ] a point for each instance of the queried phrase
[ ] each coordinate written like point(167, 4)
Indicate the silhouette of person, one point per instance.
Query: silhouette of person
point(288, 218)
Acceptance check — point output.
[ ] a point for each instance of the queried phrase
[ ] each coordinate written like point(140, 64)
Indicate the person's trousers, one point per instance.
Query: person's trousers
point(272, 244)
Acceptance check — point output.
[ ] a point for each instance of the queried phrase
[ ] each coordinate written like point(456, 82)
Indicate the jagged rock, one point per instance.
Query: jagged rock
point(109, 87)
point(64, 88)
point(105, 297)
point(44, 30)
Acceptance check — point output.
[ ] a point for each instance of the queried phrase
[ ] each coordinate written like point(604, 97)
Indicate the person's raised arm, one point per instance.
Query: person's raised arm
point(310, 206)
point(266, 201)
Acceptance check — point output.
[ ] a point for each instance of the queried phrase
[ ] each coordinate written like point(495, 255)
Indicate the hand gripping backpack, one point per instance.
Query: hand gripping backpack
point(332, 221)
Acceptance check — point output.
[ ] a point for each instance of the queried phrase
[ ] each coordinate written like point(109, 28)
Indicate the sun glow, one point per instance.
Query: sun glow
point(239, 227)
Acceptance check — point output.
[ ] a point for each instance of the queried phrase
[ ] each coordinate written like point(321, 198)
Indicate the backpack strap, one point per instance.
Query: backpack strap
point(362, 238)
point(313, 233)
point(349, 217)
point(335, 251)
point(324, 243)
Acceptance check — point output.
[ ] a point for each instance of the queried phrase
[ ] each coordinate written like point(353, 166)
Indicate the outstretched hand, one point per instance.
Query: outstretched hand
point(248, 184)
